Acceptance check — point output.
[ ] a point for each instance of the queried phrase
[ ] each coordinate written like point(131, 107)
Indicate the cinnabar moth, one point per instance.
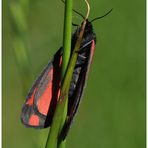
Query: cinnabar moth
point(41, 100)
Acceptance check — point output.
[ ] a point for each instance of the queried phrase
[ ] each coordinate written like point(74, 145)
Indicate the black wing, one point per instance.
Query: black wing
point(79, 78)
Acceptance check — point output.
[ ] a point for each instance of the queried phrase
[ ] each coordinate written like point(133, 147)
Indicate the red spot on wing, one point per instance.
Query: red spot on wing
point(92, 51)
point(93, 45)
point(34, 120)
point(31, 99)
point(45, 100)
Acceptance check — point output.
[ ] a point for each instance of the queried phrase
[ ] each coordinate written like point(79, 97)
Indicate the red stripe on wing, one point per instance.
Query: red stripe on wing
point(92, 51)
point(47, 92)
point(44, 101)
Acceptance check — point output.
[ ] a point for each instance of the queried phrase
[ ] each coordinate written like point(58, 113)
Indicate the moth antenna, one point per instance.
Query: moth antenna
point(80, 14)
point(97, 18)
point(88, 10)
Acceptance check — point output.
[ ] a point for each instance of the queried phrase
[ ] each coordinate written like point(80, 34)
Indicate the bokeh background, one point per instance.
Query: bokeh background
point(113, 109)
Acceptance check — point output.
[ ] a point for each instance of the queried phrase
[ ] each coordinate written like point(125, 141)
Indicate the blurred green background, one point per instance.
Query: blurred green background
point(113, 108)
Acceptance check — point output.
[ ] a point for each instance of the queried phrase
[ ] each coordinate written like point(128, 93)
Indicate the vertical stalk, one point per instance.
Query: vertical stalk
point(67, 35)
point(61, 109)
point(66, 54)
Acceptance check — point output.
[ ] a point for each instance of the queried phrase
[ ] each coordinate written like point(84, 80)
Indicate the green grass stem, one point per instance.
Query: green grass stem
point(61, 109)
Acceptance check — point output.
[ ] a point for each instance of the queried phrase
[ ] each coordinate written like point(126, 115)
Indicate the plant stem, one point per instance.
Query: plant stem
point(67, 35)
point(61, 109)
point(66, 54)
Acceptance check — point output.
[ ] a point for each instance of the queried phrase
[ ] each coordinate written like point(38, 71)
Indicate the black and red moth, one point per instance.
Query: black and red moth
point(41, 101)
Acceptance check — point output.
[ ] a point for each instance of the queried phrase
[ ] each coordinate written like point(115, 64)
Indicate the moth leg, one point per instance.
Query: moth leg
point(81, 58)
point(83, 47)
